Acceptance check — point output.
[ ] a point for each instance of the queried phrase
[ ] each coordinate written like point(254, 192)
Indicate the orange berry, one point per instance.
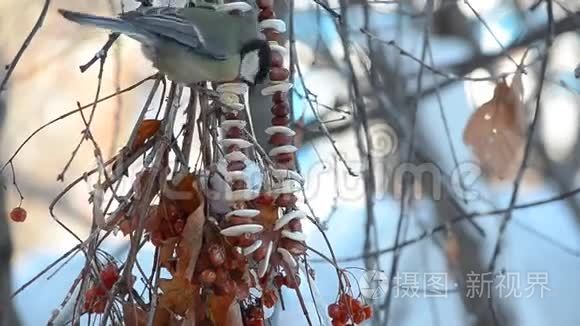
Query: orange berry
point(208, 276)
point(278, 281)
point(109, 275)
point(292, 282)
point(256, 313)
point(217, 255)
point(359, 317)
point(18, 214)
point(336, 322)
point(334, 311)
point(368, 310)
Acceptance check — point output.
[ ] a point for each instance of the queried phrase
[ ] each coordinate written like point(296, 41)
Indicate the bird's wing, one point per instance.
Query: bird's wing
point(168, 23)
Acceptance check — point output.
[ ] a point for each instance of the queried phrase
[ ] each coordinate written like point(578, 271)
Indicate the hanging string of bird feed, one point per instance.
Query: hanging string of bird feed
point(228, 233)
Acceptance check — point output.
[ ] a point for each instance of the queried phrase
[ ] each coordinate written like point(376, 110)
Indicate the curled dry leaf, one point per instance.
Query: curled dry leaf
point(133, 315)
point(189, 247)
point(224, 310)
point(269, 213)
point(166, 250)
point(146, 130)
point(496, 130)
point(185, 195)
point(178, 295)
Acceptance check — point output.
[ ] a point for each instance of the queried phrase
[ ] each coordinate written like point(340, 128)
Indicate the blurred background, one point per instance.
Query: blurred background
point(457, 49)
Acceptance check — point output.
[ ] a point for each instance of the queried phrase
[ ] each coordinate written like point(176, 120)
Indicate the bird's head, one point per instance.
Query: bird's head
point(255, 61)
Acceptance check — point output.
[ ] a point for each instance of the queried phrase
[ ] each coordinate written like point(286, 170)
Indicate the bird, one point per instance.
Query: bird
point(191, 45)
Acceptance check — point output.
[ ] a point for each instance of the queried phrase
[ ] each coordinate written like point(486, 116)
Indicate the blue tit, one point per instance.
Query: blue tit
point(191, 45)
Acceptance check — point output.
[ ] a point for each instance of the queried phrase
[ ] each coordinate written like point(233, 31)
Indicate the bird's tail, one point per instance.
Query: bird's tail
point(112, 24)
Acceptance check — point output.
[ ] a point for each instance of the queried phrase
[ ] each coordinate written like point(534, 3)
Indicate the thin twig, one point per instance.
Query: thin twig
point(25, 45)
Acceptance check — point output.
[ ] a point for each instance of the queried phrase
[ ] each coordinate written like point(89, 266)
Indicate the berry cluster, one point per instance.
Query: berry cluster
point(96, 297)
point(220, 268)
point(349, 309)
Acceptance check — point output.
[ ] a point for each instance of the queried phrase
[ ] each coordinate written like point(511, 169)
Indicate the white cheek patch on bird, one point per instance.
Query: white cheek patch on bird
point(250, 66)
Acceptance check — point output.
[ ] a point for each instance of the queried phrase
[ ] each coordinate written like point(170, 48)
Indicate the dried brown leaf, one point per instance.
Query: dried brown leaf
point(166, 251)
point(190, 245)
point(224, 310)
point(269, 214)
point(495, 131)
point(186, 195)
point(133, 315)
point(178, 295)
point(146, 130)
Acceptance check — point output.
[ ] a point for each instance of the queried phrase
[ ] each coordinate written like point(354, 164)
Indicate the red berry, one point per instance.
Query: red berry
point(256, 313)
point(278, 281)
point(336, 322)
point(359, 317)
point(18, 214)
point(334, 311)
point(368, 310)
point(95, 300)
point(269, 298)
point(109, 276)
point(255, 322)
point(156, 238)
point(292, 282)
point(208, 276)
point(217, 256)
point(344, 315)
